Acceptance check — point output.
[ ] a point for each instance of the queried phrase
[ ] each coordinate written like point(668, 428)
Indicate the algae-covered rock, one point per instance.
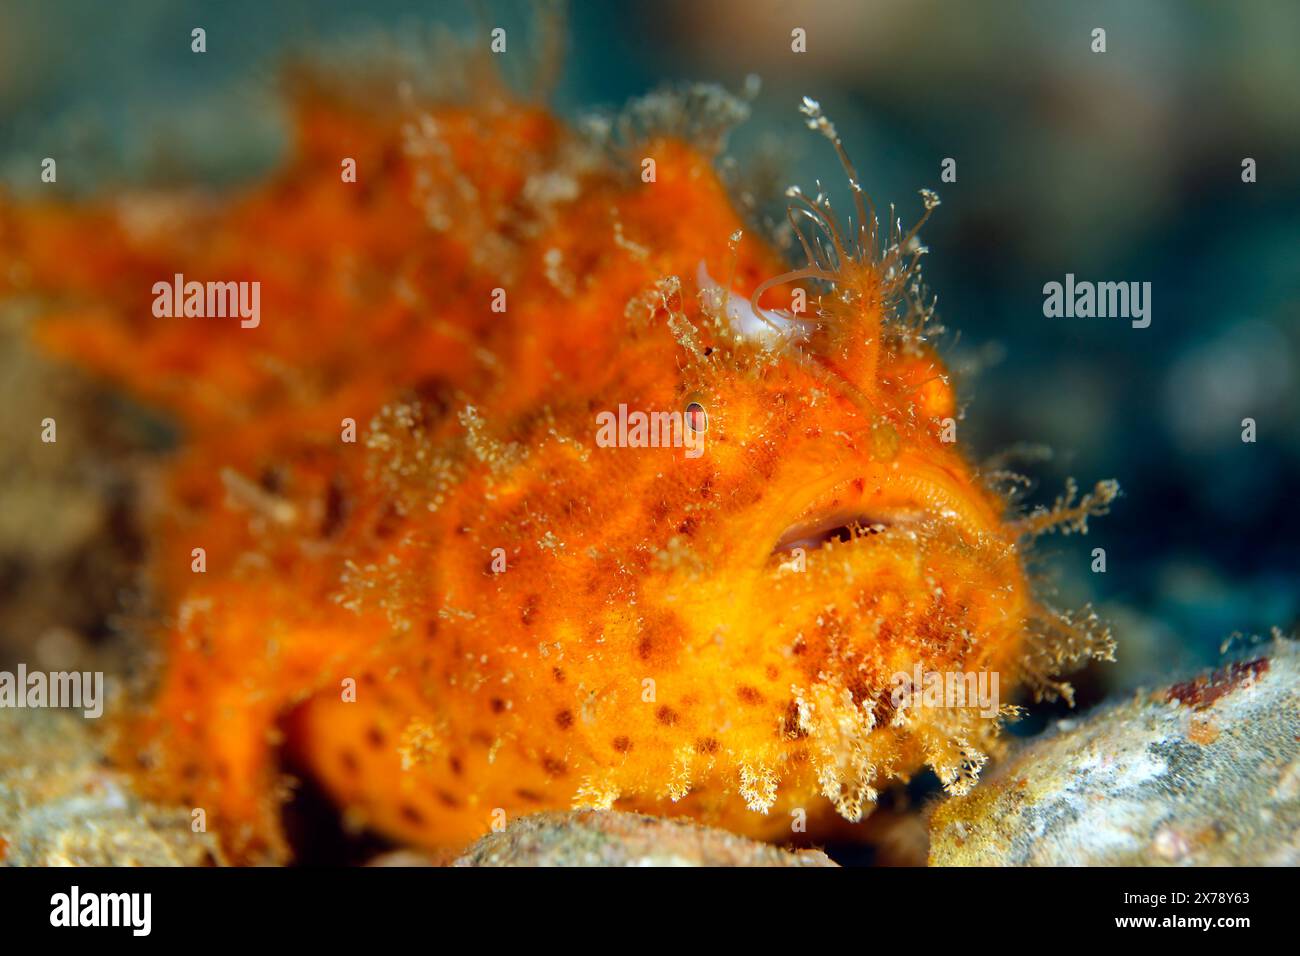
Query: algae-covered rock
point(611, 838)
point(60, 805)
point(1205, 772)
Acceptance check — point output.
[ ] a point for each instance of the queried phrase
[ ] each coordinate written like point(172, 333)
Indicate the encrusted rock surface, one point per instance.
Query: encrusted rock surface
point(61, 806)
point(1205, 772)
point(611, 838)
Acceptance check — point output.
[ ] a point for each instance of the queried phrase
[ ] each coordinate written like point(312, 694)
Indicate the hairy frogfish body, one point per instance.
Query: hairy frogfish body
point(542, 480)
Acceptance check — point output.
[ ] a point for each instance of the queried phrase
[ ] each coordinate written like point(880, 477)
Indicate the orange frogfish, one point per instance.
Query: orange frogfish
point(541, 478)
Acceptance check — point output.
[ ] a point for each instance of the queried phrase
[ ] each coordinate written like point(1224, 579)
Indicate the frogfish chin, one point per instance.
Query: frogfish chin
point(545, 479)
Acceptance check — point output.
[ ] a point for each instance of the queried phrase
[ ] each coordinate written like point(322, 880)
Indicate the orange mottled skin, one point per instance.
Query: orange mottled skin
point(650, 643)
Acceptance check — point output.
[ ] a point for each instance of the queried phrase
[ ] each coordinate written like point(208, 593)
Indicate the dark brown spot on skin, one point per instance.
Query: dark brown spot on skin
point(272, 480)
point(790, 729)
point(883, 712)
point(375, 737)
point(748, 694)
point(859, 690)
point(622, 744)
point(529, 795)
point(435, 395)
point(661, 636)
point(556, 768)
point(706, 745)
point(431, 627)
point(687, 527)
point(349, 761)
point(666, 716)
point(564, 719)
point(448, 800)
point(411, 815)
point(497, 704)
point(194, 499)
point(336, 510)
point(389, 521)
point(457, 767)
point(528, 613)
point(558, 675)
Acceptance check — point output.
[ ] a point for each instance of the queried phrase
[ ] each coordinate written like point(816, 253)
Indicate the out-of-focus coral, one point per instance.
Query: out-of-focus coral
point(61, 806)
point(611, 838)
point(1203, 773)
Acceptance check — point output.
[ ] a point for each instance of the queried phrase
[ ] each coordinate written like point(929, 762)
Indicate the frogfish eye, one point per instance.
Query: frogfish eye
point(697, 419)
